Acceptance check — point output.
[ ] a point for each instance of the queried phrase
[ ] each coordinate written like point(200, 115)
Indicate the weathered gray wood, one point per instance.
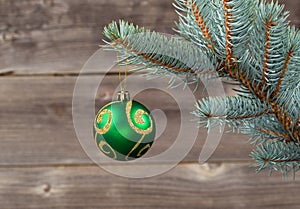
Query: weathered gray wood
point(294, 8)
point(42, 164)
point(36, 121)
point(226, 186)
point(58, 36)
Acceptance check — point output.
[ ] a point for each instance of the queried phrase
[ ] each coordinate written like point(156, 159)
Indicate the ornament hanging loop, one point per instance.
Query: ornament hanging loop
point(123, 95)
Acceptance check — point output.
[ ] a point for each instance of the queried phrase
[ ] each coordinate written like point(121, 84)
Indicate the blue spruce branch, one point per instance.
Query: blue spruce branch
point(249, 43)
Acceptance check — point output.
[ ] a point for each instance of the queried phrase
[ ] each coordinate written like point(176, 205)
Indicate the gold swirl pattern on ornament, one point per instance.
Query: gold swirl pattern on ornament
point(99, 120)
point(104, 144)
point(147, 147)
point(135, 147)
point(138, 118)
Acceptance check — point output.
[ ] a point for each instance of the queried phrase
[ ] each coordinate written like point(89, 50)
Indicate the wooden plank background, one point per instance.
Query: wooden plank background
point(44, 44)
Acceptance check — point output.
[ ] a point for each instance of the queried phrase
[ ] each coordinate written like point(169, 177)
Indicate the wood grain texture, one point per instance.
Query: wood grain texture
point(36, 124)
point(44, 44)
point(191, 186)
point(58, 36)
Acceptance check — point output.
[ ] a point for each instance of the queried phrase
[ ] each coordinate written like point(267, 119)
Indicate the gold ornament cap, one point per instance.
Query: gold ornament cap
point(123, 96)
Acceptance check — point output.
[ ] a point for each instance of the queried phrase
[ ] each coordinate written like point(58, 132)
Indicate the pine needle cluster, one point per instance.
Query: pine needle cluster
point(251, 44)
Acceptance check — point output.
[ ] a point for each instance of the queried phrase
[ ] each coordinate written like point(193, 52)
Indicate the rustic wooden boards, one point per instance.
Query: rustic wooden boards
point(187, 186)
point(37, 127)
point(58, 36)
point(44, 44)
point(42, 164)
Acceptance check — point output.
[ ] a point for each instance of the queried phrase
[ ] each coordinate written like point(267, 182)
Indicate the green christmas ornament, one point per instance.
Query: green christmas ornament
point(124, 129)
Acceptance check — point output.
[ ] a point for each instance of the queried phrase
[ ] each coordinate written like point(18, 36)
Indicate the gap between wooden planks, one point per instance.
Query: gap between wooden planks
point(36, 126)
point(59, 36)
point(190, 186)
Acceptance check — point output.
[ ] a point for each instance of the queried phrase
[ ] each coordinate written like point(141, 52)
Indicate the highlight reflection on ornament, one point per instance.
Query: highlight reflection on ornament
point(124, 129)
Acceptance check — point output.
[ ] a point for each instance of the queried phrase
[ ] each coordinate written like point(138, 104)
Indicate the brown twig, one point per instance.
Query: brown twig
point(285, 136)
point(266, 54)
point(228, 28)
point(151, 59)
point(238, 117)
point(280, 161)
point(286, 64)
point(201, 23)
